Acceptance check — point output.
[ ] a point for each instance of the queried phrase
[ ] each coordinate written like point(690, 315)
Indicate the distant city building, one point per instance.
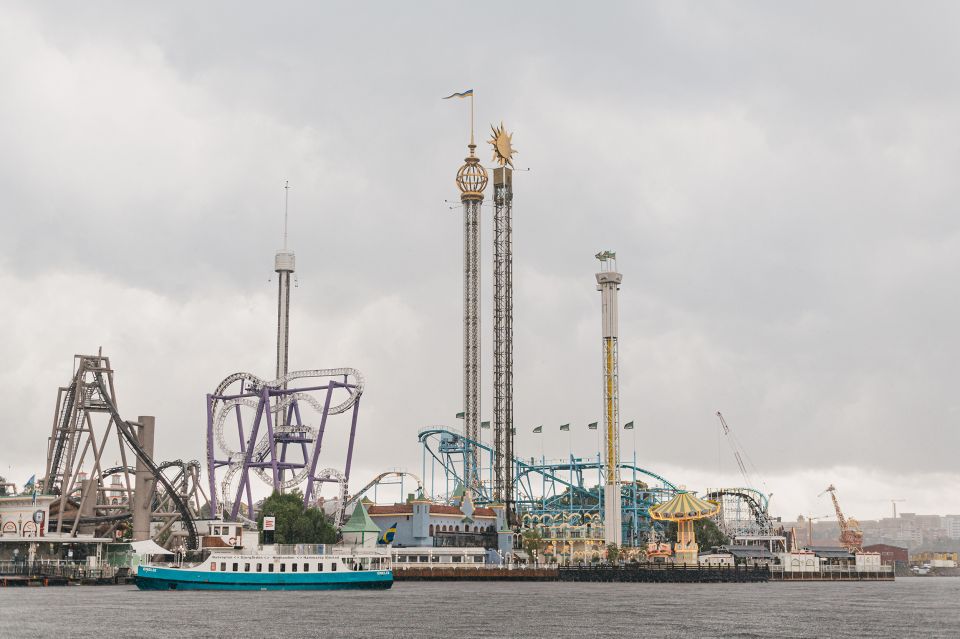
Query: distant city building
point(895, 556)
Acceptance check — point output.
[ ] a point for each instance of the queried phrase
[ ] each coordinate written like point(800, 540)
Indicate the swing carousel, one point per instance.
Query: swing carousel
point(684, 509)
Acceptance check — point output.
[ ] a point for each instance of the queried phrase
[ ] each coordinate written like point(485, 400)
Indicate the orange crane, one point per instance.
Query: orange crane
point(851, 537)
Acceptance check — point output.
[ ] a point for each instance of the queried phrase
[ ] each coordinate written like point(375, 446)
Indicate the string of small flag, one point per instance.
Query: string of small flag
point(564, 428)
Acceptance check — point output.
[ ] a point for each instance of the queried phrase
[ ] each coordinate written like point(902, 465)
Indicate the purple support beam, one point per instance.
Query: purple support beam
point(210, 466)
point(265, 400)
point(246, 458)
point(353, 432)
point(317, 445)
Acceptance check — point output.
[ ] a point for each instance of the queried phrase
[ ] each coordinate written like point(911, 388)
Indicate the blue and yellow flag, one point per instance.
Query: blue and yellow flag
point(388, 535)
point(466, 94)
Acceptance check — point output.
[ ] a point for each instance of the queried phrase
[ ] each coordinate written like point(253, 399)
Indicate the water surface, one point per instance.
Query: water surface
point(909, 607)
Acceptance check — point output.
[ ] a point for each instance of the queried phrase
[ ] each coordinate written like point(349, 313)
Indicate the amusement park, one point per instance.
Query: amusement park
point(473, 501)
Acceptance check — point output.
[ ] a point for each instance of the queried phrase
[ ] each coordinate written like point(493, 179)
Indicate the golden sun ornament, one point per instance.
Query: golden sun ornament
point(502, 143)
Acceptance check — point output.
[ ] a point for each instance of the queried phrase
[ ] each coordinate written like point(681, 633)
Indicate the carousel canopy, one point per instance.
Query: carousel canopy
point(684, 506)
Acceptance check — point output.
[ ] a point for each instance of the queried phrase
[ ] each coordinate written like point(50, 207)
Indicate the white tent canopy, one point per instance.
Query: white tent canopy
point(149, 547)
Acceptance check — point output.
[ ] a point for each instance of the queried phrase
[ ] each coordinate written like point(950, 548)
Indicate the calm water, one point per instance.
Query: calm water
point(910, 607)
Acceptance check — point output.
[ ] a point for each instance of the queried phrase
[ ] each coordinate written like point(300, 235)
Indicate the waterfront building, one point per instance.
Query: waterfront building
point(360, 530)
point(440, 557)
point(895, 556)
point(25, 537)
point(422, 523)
point(567, 538)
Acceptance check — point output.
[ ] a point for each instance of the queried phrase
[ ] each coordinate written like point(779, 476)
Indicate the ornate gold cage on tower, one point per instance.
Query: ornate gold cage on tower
point(472, 177)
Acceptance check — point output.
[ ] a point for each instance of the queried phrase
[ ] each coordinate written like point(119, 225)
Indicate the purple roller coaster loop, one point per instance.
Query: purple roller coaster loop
point(270, 458)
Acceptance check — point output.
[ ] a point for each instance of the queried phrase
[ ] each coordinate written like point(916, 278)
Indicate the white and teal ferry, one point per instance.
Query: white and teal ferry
point(279, 567)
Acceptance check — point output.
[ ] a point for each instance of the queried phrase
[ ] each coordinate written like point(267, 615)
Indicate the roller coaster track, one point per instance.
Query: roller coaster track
point(66, 413)
point(129, 435)
point(376, 480)
point(756, 501)
point(548, 471)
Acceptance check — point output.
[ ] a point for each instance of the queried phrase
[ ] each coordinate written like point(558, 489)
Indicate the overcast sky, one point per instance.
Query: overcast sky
point(779, 184)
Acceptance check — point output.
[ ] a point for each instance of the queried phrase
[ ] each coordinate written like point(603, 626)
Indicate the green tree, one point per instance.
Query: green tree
point(534, 543)
point(3, 486)
point(613, 553)
point(707, 532)
point(295, 524)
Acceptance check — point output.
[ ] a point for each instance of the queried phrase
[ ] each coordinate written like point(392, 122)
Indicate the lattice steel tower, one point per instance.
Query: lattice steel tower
point(471, 180)
point(608, 283)
point(503, 429)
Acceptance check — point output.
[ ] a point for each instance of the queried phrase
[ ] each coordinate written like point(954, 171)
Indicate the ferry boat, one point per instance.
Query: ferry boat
point(290, 567)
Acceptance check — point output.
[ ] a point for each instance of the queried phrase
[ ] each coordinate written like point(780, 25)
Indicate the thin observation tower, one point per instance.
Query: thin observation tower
point(284, 264)
point(608, 283)
point(471, 180)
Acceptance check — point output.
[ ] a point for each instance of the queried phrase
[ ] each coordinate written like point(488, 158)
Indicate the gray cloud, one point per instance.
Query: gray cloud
point(778, 183)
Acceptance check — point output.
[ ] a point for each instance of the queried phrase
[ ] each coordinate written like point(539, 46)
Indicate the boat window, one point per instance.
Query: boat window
point(269, 567)
point(293, 567)
point(424, 558)
point(259, 567)
point(283, 567)
point(223, 566)
point(246, 567)
point(320, 566)
point(213, 565)
point(435, 559)
point(306, 567)
point(333, 567)
point(234, 567)
point(456, 559)
point(239, 531)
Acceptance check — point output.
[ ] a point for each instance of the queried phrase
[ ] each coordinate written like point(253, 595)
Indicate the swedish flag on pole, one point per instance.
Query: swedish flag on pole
point(465, 94)
point(388, 535)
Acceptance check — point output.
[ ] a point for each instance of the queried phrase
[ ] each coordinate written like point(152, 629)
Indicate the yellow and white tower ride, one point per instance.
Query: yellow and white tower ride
point(608, 283)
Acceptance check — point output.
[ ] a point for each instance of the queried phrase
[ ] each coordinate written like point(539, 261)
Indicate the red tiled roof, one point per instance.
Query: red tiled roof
point(435, 509)
point(396, 509)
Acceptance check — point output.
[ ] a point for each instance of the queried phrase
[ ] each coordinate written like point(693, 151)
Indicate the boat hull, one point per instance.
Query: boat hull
point(158, 578)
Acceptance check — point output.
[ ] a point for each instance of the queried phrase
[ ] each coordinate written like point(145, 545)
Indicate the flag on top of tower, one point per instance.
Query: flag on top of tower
point(564, 427)
point(466, 94)
point(538, 429)
point(628, 426)
point(592, 425)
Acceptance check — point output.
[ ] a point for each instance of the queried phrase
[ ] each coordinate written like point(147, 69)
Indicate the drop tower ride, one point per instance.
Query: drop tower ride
point(608, 283)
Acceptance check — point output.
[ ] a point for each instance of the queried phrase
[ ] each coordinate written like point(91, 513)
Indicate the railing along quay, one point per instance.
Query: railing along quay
point(58, 572)
point(460, 573)
point(665, 573)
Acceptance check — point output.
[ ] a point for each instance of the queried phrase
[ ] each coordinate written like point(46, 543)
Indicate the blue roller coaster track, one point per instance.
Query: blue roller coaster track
point(544, 486)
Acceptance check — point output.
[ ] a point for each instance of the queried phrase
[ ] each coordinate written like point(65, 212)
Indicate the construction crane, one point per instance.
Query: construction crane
point(894, 502)
point(851, 537)
point(810, 519)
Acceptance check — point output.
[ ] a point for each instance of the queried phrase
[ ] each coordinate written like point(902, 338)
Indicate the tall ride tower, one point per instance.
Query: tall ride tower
point(503, 430)
point(471, 180)
point(608, 283)
point(284, 264)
